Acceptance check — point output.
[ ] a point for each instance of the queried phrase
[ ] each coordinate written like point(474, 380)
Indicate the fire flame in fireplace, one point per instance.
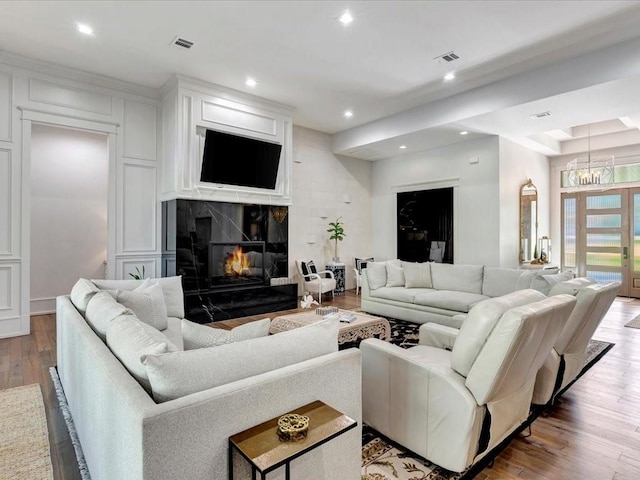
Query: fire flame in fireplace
point(237, 263)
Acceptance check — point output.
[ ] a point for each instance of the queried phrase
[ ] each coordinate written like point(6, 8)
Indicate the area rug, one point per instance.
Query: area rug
point(635, 323)
point(382, 459)
point(24, 438)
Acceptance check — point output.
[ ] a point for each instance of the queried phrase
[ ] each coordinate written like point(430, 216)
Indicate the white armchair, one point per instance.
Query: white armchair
point(454, 407)
point(314, 281)
point(567, 357)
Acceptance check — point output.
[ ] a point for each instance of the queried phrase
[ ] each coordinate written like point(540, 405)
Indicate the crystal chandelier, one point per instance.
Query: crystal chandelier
point(584, 172)
point(279, 213)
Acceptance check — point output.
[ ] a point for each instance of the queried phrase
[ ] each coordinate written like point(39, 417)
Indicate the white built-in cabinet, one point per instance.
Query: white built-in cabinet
point(189, 108)
point(129, 115)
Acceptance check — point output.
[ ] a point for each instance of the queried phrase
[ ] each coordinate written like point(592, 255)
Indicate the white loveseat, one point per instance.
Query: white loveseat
point(440, 292)
point(125, 434)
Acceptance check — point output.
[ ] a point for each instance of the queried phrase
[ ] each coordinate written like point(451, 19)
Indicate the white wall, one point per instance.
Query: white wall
point(69, 184)
point(476, 197)
point(33, 93)
point(320, 181)
point(517, 164)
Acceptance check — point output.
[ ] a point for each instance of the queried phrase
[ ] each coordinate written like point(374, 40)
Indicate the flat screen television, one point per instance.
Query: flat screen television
point(233, 160)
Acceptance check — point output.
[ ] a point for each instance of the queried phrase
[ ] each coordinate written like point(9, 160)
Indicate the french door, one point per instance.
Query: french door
point(601, 236)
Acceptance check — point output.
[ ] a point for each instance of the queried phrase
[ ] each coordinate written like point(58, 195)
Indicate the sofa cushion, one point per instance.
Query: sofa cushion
point(417, 275)
point(449, 300)
point(395, 276)
point(570, 287)
point(129, 339)
point(461, 278)
point(479, 324)
point(195, 335)
point(147, 303)
point(173, 375)
point(543, 283)
point(399, 294)
point(376, 275)
point(81, 293)
point(171, 289)
point(101, 310)
point(500, 281)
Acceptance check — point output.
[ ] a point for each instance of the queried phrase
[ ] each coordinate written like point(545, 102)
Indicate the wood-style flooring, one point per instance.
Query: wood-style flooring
point(592, 434)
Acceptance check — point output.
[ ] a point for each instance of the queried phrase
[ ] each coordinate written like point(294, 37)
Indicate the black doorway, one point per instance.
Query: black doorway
point(424, 217)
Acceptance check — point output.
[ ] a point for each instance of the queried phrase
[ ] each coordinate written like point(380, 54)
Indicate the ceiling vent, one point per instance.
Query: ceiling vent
point(181, 42)
point(447, 57)
point(540, 115)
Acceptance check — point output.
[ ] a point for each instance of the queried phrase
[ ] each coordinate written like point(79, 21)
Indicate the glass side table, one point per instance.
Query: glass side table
point(264, 451)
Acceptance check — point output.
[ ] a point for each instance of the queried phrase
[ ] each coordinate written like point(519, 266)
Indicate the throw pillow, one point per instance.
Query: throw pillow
point(395, 276)
point(147, 302)
point(195, 335)
point(307, 268)
point(376, 275)
point(129, 339)
point(570, 287)
point(101, 310)
point(543, 283)
point(177, 374)
point(171, 288)
point(81, 293)
point(417, 275)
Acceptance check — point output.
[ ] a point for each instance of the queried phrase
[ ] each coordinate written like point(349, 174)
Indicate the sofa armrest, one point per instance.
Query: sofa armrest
point(319, 275)
point(188, 437)
point(437, 335)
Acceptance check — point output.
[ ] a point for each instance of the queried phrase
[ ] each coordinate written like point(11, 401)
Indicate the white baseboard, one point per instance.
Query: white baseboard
point(42, 306)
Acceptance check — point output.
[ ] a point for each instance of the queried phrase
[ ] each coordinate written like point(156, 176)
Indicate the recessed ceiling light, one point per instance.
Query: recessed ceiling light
point(250, 82)
point(85, 29)
point(464, 132)
point(346, 18)
point(402, 147)
point(449, 76)
point(348, 114)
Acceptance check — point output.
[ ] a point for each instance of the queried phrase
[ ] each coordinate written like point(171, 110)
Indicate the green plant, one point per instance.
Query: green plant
point(138, 275)
point(336, 230)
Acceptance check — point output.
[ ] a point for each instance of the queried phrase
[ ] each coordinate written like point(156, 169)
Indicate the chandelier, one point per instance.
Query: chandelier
point(584, 172)
point(279, 213)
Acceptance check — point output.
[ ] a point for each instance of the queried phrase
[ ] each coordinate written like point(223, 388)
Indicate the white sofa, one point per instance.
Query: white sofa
point(125, 434)
point(440, 292)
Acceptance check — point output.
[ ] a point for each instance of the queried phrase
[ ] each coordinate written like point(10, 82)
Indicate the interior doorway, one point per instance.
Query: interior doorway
point(601, 236)
point(68, 216)
point(425, 225)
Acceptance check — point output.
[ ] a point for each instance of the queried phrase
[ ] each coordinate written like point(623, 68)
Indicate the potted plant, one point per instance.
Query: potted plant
point(336, 230)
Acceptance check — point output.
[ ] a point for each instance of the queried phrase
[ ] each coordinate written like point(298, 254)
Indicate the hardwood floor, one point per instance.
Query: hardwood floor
point(592, 434)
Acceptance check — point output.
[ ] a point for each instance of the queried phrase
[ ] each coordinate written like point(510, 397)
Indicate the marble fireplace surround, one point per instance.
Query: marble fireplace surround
point(199, 242)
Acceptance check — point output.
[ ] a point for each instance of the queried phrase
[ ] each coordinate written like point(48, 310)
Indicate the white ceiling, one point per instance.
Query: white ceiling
point(380, 65)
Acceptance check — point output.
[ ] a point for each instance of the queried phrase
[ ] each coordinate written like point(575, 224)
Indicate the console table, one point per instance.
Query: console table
point(338, 269)
point(264, 451)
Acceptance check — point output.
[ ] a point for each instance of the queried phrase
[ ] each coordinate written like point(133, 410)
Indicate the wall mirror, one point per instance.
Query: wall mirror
point(528, 221)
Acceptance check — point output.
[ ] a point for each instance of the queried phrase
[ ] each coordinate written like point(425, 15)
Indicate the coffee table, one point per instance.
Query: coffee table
point(364, 326)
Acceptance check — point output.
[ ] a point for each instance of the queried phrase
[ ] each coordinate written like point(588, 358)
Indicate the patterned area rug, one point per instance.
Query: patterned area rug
point(24, 438)
point(635, 323)
point(382, 459)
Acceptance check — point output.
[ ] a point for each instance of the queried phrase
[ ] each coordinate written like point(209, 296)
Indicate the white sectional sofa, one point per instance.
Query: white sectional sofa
point(126, 434)
point(443, 293)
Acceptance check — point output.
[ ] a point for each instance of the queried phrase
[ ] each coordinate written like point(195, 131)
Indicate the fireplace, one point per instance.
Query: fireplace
point(236, 264)
point(227, 255)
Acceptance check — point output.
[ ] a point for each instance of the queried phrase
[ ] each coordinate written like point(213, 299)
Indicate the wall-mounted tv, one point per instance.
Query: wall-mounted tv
point(234, 160)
